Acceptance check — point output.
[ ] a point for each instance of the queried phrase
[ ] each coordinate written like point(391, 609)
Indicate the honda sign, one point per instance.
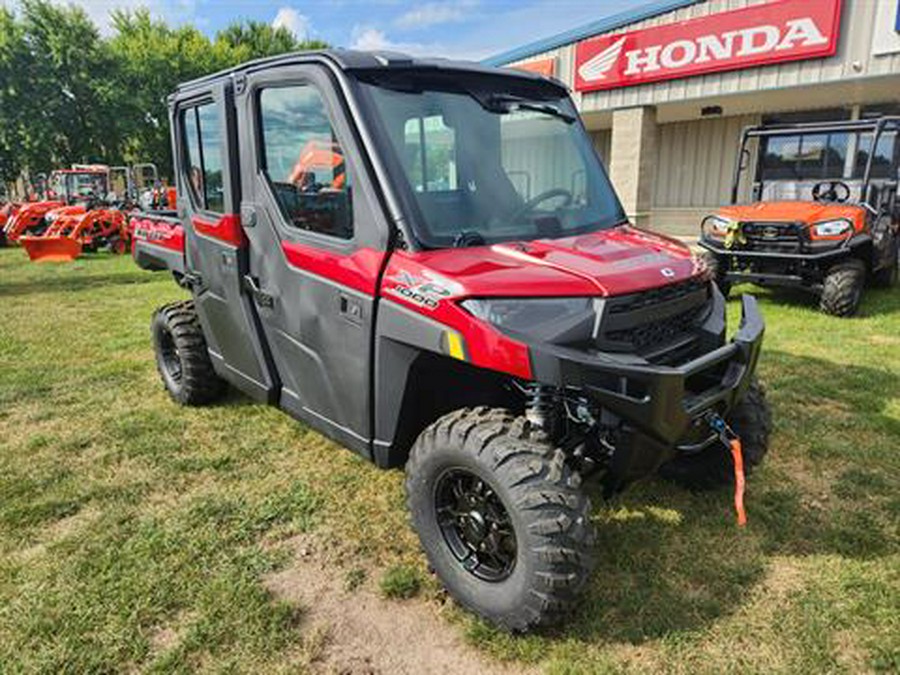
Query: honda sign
point(782, 30)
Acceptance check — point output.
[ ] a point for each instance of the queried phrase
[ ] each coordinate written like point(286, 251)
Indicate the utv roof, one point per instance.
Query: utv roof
point(351, 60)
point(823, 127)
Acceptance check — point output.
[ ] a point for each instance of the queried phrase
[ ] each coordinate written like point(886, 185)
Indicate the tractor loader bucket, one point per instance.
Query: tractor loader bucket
point(51, 249)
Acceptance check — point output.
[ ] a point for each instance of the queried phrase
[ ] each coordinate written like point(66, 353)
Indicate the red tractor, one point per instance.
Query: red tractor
point(456, 289)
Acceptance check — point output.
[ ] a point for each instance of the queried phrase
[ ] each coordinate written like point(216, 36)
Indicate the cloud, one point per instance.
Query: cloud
point(434, 13)
point(294, 21)
point(371, 38)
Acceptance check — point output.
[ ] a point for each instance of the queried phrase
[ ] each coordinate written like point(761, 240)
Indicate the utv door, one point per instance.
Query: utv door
point(317, 247)
point(215, 249)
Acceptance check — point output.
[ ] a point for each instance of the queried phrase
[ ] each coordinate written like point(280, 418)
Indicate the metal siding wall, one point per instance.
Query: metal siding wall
point(602, 144)
point(696, 160)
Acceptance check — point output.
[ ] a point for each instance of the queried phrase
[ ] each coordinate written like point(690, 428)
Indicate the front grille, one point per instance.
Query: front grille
point(773, 237)
point(656, 296)
point(657, 323)
point(647, 336)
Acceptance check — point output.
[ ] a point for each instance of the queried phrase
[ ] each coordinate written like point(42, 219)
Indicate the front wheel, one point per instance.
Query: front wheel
point(501, 517)
point(716, 271)
point(843, 288)
point(711, 468)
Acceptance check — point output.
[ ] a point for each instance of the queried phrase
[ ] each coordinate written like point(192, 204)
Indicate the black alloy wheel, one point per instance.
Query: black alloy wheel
point(475, 524)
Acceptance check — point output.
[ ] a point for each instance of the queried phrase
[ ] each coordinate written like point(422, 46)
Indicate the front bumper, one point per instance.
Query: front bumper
point(775, 268)
point(665, 404)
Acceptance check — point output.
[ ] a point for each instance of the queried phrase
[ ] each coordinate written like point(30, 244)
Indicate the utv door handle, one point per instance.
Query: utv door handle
point(262, 298)
point(350, 309)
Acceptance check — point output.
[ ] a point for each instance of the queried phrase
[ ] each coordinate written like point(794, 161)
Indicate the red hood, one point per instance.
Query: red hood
point(794, 211)
point(611, 262)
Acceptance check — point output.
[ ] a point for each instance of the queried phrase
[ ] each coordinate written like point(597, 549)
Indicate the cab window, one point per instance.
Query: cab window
point(203, 152)
point(303, 161)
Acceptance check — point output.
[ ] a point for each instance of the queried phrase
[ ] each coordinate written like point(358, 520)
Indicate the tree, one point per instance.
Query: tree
point(253, 39)
point(14, 64)
point(69, 95)
point(70, 71)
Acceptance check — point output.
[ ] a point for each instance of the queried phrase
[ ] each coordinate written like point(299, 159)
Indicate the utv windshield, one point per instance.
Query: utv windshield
point(489, 165)
point(789, 166)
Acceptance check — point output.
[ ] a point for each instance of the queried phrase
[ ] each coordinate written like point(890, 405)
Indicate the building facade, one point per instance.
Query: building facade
point(666, 89)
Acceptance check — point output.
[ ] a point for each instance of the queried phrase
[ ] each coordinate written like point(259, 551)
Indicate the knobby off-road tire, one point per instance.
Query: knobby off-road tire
point(711, 468)
point(182, 358)
point(843, 288)
point(716, 272)
point(887, 277)
point(547, 511)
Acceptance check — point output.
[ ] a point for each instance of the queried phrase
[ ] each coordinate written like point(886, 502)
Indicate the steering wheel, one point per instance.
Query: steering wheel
point(831, 191)
point(530, 205)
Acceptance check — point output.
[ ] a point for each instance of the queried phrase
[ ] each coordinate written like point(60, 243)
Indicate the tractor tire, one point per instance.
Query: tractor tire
point(501, 517)
point(712, 467)
point(843, 288)
point(182, 358)
point(117, 245)
point(712, 263)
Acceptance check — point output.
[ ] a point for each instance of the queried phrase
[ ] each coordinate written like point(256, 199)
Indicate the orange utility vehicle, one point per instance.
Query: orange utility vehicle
point(820, 212)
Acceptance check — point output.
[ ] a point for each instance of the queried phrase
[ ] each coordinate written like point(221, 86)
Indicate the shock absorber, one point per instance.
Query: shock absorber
point(539, 404)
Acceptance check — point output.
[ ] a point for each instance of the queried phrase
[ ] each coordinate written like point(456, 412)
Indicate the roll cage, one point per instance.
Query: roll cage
point(876, 127)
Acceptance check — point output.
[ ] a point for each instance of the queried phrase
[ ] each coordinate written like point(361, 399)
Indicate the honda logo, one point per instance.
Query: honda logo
point(776, 31)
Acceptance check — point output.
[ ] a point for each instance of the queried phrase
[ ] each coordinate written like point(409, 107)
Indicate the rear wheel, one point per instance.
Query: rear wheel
point(182, 358)
point(887, 277)
point(843, 288)
point(501, 517)
point(751, 420)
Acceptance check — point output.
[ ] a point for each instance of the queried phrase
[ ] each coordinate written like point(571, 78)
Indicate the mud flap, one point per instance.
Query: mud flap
point(51, 249)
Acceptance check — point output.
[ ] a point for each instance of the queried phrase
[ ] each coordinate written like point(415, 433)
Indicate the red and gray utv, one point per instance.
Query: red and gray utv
point(426, 261)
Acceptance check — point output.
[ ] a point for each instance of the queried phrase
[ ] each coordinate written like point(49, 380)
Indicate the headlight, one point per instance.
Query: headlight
point(527, 315)
point(832, 228)
point(716, 226)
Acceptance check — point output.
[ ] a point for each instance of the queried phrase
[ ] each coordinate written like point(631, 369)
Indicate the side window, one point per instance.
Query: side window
point(430, 154)
point(304, 162)
point(203, 152)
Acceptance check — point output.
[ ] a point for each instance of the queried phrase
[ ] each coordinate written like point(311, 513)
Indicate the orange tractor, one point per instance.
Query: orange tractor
point(67, 187)
point(74, 229)
point(88, 213)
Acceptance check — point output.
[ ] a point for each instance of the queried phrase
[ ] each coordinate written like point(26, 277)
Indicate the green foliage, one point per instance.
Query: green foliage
point(67, 94)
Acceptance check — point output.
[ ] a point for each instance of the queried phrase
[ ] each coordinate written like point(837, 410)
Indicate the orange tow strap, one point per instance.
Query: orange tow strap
point(738, 460)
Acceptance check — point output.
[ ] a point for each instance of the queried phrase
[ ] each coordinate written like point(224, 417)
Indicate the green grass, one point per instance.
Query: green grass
point(401, 582)
point(135, 535)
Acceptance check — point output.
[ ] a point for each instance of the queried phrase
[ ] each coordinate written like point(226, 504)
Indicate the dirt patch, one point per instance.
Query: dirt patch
point(367, 634)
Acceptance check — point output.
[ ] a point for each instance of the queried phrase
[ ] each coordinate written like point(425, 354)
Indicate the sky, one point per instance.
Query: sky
point(472, 29)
